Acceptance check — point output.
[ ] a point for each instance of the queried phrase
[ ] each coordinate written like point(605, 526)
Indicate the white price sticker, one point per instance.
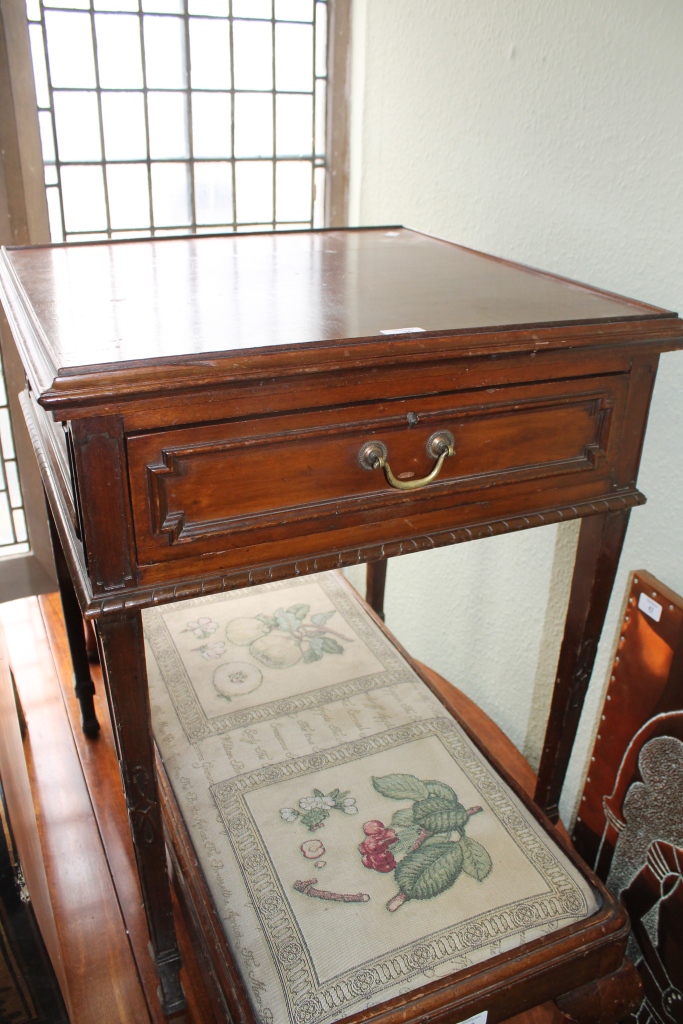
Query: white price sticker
point(650, 607)
point(404, 330)
point(479, 1018)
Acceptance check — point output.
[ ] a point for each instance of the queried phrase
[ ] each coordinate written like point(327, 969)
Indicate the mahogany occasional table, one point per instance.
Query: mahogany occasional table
point(215, 412)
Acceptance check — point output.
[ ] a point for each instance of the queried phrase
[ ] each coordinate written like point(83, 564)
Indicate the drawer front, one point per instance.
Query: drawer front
point(237, 484)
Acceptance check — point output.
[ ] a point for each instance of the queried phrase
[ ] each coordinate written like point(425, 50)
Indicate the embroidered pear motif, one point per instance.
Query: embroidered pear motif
point(287, 636)
point(430, 834)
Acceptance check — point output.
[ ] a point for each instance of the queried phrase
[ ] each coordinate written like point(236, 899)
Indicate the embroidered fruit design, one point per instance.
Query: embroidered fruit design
point(287, 636)
point(314, 810)
point(312, 849)
point(235, 678)
point(374, 850)
point(431, 836)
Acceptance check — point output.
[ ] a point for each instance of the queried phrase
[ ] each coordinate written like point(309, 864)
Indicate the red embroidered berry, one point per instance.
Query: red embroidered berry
point(374, 850)
point(371, 828)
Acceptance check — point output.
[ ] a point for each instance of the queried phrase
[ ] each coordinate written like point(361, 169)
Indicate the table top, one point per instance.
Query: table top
point(115, 305)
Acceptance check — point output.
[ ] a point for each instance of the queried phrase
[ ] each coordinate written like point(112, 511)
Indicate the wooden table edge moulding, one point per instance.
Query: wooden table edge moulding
point(215, 412)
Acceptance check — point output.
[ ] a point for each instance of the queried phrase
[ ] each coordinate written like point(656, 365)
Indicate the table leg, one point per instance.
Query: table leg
point(597, 557)
point(84, 688)
point(123, 662)
point(375, 585)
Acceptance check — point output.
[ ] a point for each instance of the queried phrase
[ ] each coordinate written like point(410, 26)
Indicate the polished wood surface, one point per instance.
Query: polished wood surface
point(99, 967)
point(16, 787)
point(214, 394)
point(150, 299)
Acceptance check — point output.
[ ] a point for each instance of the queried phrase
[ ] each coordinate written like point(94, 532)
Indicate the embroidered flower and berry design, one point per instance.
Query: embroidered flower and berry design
point(314, 810)
point(431, 836)
point(203, 628)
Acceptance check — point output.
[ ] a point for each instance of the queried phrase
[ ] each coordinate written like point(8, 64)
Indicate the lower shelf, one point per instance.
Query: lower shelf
point(474, 904)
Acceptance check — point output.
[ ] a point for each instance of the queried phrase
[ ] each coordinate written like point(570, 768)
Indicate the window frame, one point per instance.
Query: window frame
point(24, 221)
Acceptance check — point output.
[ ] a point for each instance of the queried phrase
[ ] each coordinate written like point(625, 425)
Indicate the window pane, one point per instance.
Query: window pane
point(216, 8)
point(294, 10)
point(19, 524)
point(320, 116)
point(83, 197)
point(77, 122)
point(213, 193)
point(46, 136)
point(123, 119)
point(253, 124)
point(6, 440)
point(33, 10)
point(13, 488)
point(163, 6)
point(252, 9)
point(128, 189)
point(116, 5)
point(321, 39)
point(210, 54)
point(6, 522)
point(254, 187)
point(294, 191)
point(319, 200)
point(118, 51)
point(294, 57)
point(253, 57)
point(82, 5)
point(211, 124)
point(69, 43)
point(54, 209)
point(165, 53)
point(39, 65)
point(51, 175)
point(171, 194)
point(294, 125)
point(167, 124)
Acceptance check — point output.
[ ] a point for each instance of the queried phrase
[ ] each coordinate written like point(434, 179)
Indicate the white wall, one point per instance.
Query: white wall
point(550, 133)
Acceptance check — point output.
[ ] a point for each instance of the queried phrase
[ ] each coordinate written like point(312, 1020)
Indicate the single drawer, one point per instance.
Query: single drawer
point(236, 484)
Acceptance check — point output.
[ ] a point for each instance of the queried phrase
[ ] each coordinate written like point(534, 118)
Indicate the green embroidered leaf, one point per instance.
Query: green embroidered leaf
point(299, 611)
point(476, 861)
point(331, 646)
point(439, 815)
point(287, 622)
point(314, 818)
point(407, 837)
point(318, 792)
point(268, 619)
point(441, 838)
point(429, 870)
point(435, 788)
point(310, 654)
point(400, 787)
point(320, 618)
point(402, 817)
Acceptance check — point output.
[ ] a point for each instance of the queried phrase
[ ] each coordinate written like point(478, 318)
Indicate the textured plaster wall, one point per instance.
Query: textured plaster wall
point(550, 133)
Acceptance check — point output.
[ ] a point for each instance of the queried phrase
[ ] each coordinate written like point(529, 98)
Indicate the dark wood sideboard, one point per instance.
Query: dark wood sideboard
point(211, 413)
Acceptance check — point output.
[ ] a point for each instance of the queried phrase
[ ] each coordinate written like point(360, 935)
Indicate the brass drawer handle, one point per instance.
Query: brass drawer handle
point(374, 455)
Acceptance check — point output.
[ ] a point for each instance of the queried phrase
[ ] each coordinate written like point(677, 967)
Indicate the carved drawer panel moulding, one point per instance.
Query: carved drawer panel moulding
point(240, 476)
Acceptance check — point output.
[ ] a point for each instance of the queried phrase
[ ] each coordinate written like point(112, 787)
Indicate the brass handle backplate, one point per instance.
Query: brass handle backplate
point(374, 455)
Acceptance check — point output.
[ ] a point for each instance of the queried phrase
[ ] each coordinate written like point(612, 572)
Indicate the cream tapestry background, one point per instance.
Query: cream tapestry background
point(355, 842)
